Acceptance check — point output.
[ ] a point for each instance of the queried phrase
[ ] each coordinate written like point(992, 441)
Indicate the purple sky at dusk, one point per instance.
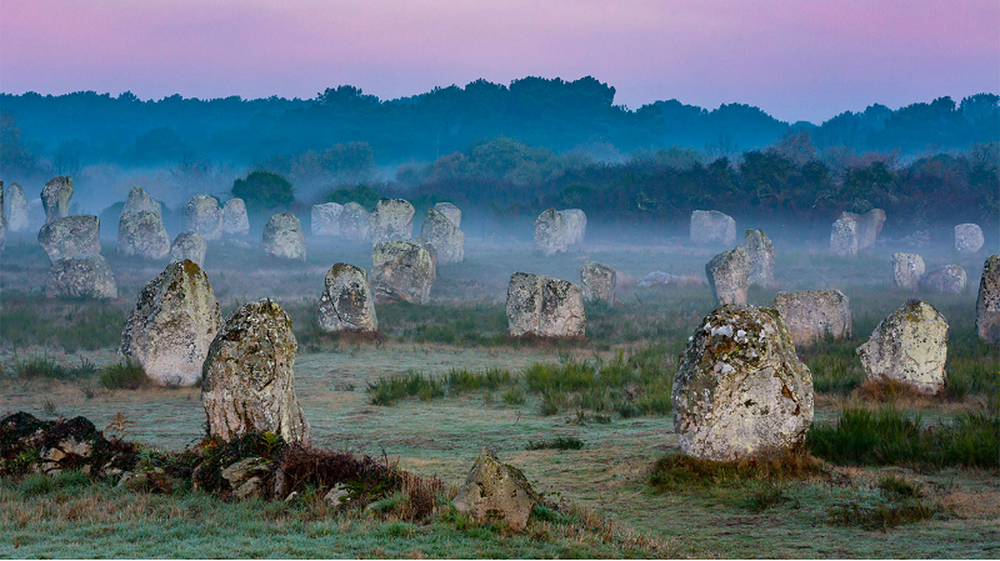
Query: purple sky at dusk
point(796, 59)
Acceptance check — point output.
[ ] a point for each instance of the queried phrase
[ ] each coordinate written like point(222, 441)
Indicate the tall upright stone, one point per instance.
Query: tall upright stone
point(16, 205)
point(760, 250)
point(347, 303)
point(910, 347)
point(729, 276)
point(451, 211)
point(203, 215)
point(446, 238)
point(988, 302)
point(234, 218)
point(907, 268)
point(812, 315)
point(599, 282)
point(355, 223)
point(402, 272)
point(844, 235)
point(139, 200)
point(551, 233)
point(576, 225)
point(968, 238)
point(72, 236)
point(712, 227)
point(544, 307)
point(325, 219)
point(55, 197)
point(142, 233)
point(189, 245)
point(392, 220)
point(283, 237)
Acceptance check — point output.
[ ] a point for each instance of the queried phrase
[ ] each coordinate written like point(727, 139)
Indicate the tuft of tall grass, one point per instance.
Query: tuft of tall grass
point(557, 443)
point(677, 471)
point(388, 390)
point(42, 366)
point(126, 375)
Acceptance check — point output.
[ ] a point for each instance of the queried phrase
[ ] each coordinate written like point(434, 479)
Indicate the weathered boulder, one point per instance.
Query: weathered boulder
point(355, 223)
point(950, 278)
point(729, 276)
point(741, 392)
point(247, 477)
point(172, 325)
point(760, 250)
point(551, 233)
point(442, 234)
point(576, 225)
point(248, 383)
point(402, 272)
point(189, 245)
point(988, 302)
point(869, 227)
point(712, 227)
point(347, 303)
point(811, 315)
point(907, 268)
point(392, 220)
point(203, 215)
point(55, 197)
point(81, 277)
point(283, 237)
point(494, 491)
point(451, 211)
point(325, 219)
point(968, 238)
point(544, 307)
point(142, 233)
point(599, 282)
point(72, 236)
point(16, 207)
point(844, 235)
point(139, 200)
point(909, 346)
point(234, 218)
point(29, 444)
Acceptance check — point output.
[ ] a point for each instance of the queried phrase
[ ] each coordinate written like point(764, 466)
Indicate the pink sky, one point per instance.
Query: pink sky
point(796, 59)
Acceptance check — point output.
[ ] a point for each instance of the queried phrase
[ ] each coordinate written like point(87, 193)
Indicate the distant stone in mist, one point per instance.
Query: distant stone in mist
point(950, 278)
point(856, 232)
point(55, 197)
point(729, 276)
point(576, 225)
point(81, 277)
point(203, 215)
point(813, 315)
point(347, 303)
point(907, 268)
point(325, 219)
point(234, 218)
point(599, 282)
point(172, 325)
point(712, 227)
point(968, 238)
point(451, 211)
point(402, 272)
point(392, 220)
point(189, 245)
point(3, 219)
point(446, 238)
point(551, 233)
point(142, 233)
point(16, 207)
point(72, 236)
point(544, 307)
point(760, 250)
point(910, 346)
point(355, 223)
point(139, 200)
point(283, 237)
point(988, 302)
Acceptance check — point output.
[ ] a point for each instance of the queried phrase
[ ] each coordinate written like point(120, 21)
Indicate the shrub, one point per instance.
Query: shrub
point(263, 190)
point(126, 375)
point(557, 443)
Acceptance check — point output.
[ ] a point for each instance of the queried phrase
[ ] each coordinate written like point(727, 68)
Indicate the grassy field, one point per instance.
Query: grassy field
point(586, 421)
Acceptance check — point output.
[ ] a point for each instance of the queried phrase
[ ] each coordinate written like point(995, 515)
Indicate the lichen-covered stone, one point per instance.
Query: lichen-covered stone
point(81, 277)
point(55, 198)
point(142, 233)
point(988, 302)
point(968, 238)
point(447, 240)
point(451, 211)
point(494, 491)
point(139, 200)
point(544, 307)
point(576, 225)
point(760, 250)
point(844, 235)
point(248, 383)
point(729, 276)
point(16, 207)
point(392, 220)
point(234, 218)
point(325, 219)
point(812, 315)
point(909, 346)
point(355, 223)
point(907, 268)
point(950, 278)
point(189, 245)
point(172, 325)
point(72, 236)
point(283, 237)
point(599, 282)
point(347, 303)
point(551, 233)
point(741, 392)
point(203, 215)
point(402, 272)
point(712, 227)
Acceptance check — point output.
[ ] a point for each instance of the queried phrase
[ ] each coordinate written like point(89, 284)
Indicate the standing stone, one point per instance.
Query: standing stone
point(909, 346)
point(760, 250)
point(203, 215)
point(729, 276)
point(712, 227)
point(81, 277)
point(355, 223)
point(599, 282)
point(139, 200)
point(189, 245)
point(551, 233)
point(72, 236)
point(496, 490)
point(16, 205)
point(968, 238)
point(447, 240)
point(402, 272)
point(988, 303)
point(741, 392)
point(248, 383)
point(347, 303)
point(55, 197)
point(326, 219)
point(907, 268)
point(844, 236)
point(173, 323)
point(869, 227)
point(392, 220)
point(950, 278)
point(234, 218)
point(451, 211)
point(3, 219)
point(142, 233)
point(812, 315)
point(283, 237)
point(544, 306)
point(576, 225)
